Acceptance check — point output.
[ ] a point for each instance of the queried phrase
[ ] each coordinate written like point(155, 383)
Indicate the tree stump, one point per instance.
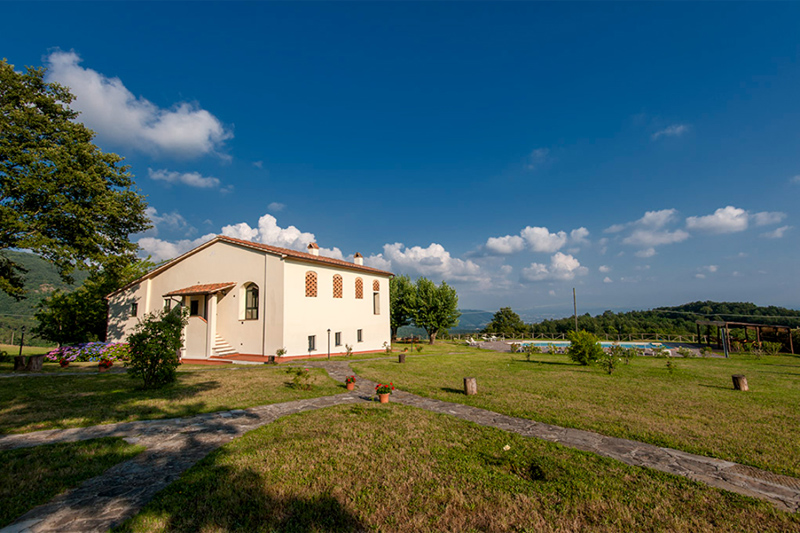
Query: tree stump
point(401, 358)
point(35, 363)
point(20, 362)
point(271, 359)
point(470, 386)
point(739, 382)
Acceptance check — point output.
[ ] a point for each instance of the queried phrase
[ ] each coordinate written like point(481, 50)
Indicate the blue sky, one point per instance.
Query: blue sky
point(646, 154)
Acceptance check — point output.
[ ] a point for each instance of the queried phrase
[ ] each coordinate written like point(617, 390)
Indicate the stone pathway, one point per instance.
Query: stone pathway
point(174, 445)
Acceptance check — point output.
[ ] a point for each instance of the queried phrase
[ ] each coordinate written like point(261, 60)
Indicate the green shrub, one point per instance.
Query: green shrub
point(771, 348)
point(584, 347)
point(419, 348)
point(685, 352)
point(301, 377)
point(608, 361)
point(531, 349)
point(155, 347)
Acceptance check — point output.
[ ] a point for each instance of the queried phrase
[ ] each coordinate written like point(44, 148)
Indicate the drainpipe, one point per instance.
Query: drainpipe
point(329, 344)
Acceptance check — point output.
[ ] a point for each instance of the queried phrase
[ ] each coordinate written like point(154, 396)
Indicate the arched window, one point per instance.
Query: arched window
point(376, 286)
point(311, 284)
point(251, 302)
point(359, 289)
point(337, 286)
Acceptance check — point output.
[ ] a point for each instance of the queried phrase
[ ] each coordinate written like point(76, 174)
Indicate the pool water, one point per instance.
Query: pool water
point(604, 344)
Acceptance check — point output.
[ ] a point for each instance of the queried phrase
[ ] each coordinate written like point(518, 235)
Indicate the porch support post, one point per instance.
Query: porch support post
point(211, 327)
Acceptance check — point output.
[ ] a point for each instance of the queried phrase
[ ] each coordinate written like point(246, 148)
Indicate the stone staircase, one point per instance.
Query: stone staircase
point(221, 347)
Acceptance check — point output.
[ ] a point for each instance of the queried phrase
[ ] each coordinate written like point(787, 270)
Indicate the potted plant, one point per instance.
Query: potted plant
point(350, 382)
point(104, 364)
point(383, 391)
point(64, 362)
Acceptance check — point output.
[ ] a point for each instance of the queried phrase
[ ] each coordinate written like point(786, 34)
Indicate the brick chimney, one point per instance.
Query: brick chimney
point(358, 259)
point(313, 249)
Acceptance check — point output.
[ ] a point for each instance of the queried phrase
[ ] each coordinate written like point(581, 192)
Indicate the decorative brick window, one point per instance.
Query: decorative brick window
point(359, 289)
point(311, 284)
point(337, 286)
point(376, 286)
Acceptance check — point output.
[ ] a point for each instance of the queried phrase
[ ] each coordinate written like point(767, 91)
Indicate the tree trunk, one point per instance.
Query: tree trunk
point(394, 333)
point(20, 362)
point(35, 363)
point(432, 337)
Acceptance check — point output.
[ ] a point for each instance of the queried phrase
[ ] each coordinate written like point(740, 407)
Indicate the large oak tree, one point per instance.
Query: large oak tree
point(60, 195)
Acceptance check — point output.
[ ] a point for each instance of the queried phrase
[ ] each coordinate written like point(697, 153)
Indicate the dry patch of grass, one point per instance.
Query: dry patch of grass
point(32, 404)
point(694, 408)
point(33, 476)
point(395, 468)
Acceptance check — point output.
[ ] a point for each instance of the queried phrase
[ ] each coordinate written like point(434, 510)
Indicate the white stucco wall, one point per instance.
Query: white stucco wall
point(286, 316)
point(306, 316)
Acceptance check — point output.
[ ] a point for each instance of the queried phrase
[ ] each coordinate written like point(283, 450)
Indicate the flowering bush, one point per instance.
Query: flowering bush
point(350, 379)
point(382, 388)
point(90, 351)
point(302, 377)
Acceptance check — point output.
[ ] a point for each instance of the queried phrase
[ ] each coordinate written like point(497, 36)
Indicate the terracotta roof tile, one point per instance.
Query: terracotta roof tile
point(303, 256)
point(208, 288)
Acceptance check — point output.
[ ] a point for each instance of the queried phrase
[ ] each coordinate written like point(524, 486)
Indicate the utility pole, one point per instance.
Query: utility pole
point(575, 307)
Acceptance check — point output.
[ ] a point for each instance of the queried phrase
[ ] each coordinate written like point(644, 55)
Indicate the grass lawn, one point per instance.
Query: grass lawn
point(54, 367)
point(396, 468)
point(694, 408)
point(32, 404)
point(33, 476)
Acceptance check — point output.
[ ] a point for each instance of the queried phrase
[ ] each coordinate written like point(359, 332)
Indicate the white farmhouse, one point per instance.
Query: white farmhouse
point(248, 300)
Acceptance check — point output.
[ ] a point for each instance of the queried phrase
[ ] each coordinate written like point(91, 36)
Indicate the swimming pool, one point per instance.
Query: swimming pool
point(604, 344)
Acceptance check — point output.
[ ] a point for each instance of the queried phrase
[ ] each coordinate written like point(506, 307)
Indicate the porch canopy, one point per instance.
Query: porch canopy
point(208, 288)
point(725, 326)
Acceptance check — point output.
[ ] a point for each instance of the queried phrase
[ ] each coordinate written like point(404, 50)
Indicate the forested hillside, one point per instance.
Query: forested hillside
point(672, 320)
point(40, 281)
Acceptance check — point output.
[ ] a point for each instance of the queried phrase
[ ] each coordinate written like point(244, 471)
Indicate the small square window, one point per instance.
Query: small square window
point(337, 337)
point(194, 308)
point(376, 303)
point(167, 304)
point(359, 336)
point(312, 343)
point(134, 308)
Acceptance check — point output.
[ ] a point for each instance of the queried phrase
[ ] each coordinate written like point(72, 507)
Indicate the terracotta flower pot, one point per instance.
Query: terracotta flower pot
point(102, 368)
point(63, 363)
point(351, 386)
point(384, 397)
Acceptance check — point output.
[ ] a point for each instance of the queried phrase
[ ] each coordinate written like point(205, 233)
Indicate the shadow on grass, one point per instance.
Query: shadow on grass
point(56, 404)
point(214, 496)
point(454, 391)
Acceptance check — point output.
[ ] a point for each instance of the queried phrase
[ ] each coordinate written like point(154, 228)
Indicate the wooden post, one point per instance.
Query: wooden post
point(698, 333)
point(401, 357)
point(739, 382)
point(20, 362)
point(470, 386)
point(791, 344)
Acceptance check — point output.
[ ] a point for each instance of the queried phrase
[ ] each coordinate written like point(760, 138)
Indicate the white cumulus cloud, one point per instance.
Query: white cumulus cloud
point(605, 269)
point(675, 130)
point(535, 239)
point(267, 232)
point(562, 267)
point(767, 218)
point(777, 233)
point(116, 114)
point(607, 280)
point(192, 179)
point(433, 262)
point(724, 220)
point(648, 252)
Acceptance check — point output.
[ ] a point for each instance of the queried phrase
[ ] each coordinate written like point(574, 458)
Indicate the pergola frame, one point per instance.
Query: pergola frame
point(724, 326)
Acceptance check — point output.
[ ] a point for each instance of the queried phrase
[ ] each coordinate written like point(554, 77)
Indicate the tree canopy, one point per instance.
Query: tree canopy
point(435, 308)
point(60, 195)
point(506, 322)
point(401, 298)
point(81, 315)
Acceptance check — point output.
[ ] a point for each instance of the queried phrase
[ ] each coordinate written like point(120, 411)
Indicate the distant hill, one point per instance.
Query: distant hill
point(40, 281)
point(673, 320)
